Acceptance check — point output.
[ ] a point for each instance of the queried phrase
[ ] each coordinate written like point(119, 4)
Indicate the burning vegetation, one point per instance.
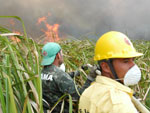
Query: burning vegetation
point(20, 84)
point(51, 31)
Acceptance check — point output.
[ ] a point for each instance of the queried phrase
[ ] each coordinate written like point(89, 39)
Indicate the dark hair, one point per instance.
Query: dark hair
point(99, 63)
point(46, 66)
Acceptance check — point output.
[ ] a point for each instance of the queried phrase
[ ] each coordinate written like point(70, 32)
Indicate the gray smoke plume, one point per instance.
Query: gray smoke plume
point(82, 17)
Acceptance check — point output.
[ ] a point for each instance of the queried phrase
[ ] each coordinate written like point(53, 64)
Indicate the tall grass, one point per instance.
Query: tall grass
point(144, 63)
point(20, 83)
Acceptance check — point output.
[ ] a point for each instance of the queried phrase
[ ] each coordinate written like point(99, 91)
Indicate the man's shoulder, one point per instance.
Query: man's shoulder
point(103, 96)
point(118, 96)
point(60, 73)
point(52, 69)
point(55, 72)
point(113, 94)
point(97, 90)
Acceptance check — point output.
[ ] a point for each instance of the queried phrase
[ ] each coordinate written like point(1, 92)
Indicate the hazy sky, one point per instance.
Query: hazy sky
point(82, 17)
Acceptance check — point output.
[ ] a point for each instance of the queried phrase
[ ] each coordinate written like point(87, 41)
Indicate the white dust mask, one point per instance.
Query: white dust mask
point(133, 76)
point(62, 67)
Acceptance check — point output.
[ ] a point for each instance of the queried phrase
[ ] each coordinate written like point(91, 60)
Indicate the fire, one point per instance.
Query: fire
point(51, 31)
point(42, 19)
point(14, 38)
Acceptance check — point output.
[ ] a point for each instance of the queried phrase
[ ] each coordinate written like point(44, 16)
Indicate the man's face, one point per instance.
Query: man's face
point(122, 65)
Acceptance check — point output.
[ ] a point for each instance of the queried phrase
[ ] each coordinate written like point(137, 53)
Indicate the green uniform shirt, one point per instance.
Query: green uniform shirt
point(56, 83)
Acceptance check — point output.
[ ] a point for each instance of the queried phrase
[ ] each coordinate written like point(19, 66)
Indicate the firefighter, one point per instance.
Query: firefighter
point(109, 93)
point(56, 82)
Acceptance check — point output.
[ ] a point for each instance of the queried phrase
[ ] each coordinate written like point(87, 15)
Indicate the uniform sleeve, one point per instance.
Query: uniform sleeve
point(66, 85)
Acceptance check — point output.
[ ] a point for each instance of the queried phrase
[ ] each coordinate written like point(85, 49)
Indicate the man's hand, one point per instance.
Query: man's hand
point(94, 71)
point(74, 73)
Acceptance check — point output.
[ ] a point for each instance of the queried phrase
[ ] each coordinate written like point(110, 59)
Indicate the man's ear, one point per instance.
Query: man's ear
point(58, 56)
point(105, 67)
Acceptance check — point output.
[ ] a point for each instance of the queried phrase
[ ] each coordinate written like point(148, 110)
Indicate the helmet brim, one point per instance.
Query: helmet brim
point(132, 55)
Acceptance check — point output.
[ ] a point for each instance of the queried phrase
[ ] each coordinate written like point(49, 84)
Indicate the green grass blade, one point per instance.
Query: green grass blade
point(2, 98)
point(70, 104)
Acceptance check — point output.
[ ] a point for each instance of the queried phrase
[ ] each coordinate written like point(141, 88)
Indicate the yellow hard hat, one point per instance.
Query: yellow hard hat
point(114, 44)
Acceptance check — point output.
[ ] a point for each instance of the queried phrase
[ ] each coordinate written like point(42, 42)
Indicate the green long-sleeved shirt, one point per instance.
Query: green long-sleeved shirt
point(56, 83)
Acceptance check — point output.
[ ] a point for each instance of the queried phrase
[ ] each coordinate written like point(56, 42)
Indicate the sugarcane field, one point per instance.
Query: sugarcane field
point(20, 84)
point(74, 56)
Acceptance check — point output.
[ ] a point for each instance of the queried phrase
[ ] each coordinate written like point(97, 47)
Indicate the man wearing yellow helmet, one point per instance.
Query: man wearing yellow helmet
point(109, 93)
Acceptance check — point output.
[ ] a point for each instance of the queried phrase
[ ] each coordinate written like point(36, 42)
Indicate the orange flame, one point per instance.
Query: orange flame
point(51, 31)
point(15, 39)
point(42, 19)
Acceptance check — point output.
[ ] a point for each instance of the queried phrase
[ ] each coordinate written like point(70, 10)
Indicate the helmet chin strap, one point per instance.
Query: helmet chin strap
point(113, 70)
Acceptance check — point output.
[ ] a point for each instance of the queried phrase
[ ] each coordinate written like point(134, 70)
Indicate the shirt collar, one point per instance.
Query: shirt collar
point(108, 81)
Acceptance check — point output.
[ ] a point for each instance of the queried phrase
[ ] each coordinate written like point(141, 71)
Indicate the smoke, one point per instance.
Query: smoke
point(82, 17)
